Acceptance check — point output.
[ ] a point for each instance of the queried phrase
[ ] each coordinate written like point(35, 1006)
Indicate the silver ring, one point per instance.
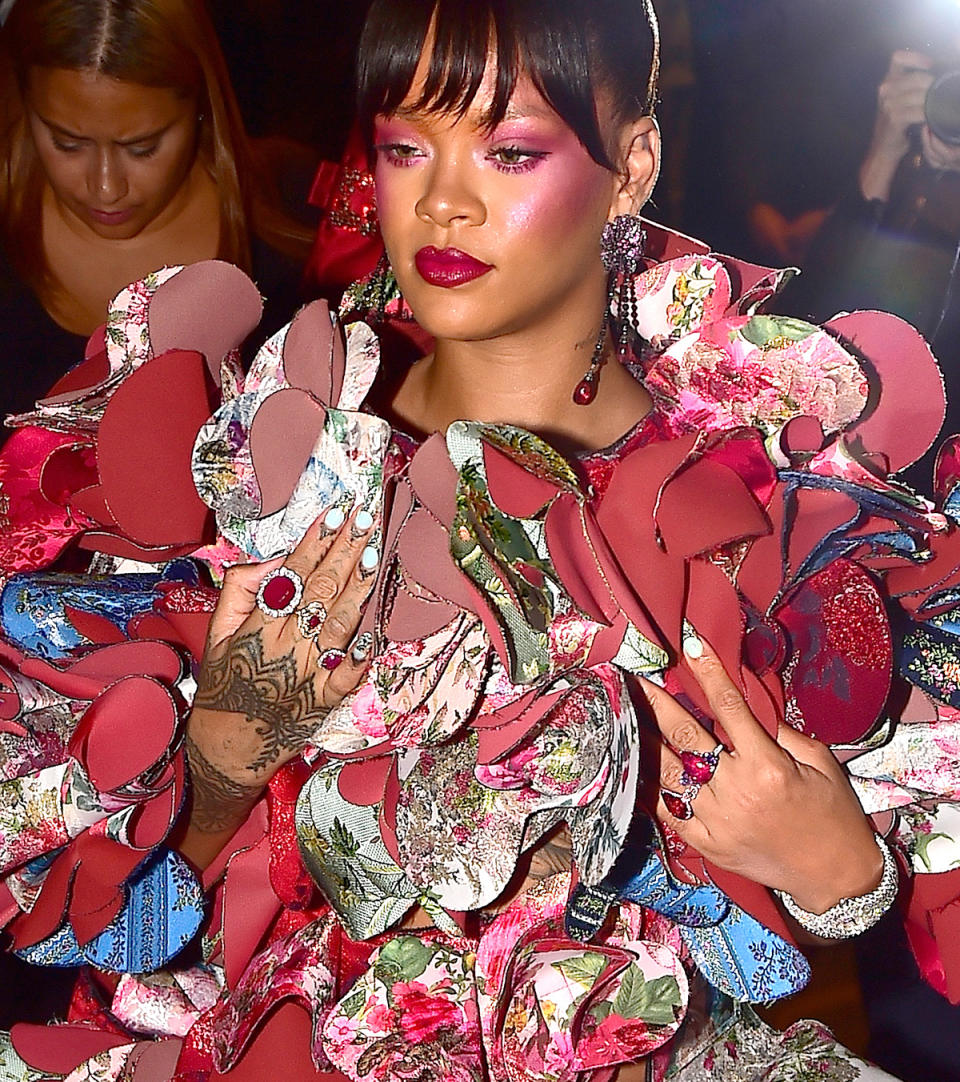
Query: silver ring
point(310, 619)
point(279, 593)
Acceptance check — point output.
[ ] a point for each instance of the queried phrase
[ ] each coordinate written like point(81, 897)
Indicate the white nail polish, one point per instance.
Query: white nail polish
point(693, 647)
point(364, 520)
point(334, 518)
point(370, 558)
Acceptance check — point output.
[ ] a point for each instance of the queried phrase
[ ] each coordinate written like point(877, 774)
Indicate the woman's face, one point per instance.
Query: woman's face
point(491, 233)
point(115, 154)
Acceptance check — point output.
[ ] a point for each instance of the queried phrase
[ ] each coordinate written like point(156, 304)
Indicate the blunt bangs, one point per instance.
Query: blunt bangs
point(569, 48)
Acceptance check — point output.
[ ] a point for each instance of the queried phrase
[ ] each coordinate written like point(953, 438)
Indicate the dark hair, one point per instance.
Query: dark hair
point(571, 49)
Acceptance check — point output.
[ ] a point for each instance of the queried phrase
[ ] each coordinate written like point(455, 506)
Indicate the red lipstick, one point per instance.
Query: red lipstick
point(448, 267)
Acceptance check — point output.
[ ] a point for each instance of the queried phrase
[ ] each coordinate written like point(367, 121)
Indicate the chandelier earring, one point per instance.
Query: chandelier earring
point(621, 250)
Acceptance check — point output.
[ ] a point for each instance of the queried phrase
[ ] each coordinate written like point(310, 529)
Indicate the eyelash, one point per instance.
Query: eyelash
point(139, 153)
point(532, 158)
point(392, 152)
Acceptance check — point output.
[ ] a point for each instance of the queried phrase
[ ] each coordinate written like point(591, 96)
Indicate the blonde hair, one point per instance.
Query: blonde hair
point(157, 43)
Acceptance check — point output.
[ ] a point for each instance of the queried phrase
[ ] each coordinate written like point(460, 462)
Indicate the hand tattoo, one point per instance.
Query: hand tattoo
point(267, 692)
point(218, 801)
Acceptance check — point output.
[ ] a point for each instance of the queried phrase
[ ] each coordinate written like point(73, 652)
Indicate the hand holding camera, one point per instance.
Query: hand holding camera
point(916, 96)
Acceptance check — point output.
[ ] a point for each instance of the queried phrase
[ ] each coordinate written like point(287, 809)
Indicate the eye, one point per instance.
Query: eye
point(516, 159)
point(64, 145)
point(399, 153)
point(142, 152)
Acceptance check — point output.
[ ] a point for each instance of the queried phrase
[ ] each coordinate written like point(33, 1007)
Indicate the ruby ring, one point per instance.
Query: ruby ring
point(310, 619)
point(680, 805)
point(700, 766)
point(280, 593)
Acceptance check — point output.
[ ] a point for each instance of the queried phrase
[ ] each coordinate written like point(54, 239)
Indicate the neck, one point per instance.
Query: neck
point(523, 380)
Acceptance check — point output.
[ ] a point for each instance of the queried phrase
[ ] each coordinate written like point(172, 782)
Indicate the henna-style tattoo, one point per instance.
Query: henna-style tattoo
point(267, 692)
point(219, 802)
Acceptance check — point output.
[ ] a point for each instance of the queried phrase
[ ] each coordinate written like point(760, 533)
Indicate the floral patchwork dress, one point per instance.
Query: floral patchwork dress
point(520, 597)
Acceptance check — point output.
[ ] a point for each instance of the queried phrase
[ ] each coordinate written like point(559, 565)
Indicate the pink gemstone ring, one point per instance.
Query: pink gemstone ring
point(330, 659)
point(310, 619)
point(680, 805)
point(280, 593)
point(700, 766)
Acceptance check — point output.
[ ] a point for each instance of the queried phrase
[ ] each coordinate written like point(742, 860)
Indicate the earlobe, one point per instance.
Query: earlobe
point(640, 157)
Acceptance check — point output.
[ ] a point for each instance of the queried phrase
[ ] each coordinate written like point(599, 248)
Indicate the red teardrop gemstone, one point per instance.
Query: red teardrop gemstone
point(699, 766)
point(676, 805)
point(585, 391)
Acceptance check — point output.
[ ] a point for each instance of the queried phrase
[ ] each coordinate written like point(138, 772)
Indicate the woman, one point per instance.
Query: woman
point(123, 150)
point(468, 763)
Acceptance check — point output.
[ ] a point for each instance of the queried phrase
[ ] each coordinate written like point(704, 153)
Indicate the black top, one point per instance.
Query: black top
point(35, 351)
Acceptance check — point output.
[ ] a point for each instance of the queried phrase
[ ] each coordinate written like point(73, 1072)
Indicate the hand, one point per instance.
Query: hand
point(900, 102)
point(787, 239)
point(780, 812)
point(938, 154)
point(261, 692)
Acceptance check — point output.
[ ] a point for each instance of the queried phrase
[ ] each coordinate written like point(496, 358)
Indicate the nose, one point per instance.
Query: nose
point(449, 196)
point(107, 179)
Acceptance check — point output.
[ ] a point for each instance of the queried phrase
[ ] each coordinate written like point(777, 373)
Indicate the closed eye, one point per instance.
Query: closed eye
point(142, 152)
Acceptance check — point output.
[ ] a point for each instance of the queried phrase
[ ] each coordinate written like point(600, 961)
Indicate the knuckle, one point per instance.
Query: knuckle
point(773, 776)
point(670, 777)
point(684, 736)
point(340, 623)
point(729, 701)
point(323, 586)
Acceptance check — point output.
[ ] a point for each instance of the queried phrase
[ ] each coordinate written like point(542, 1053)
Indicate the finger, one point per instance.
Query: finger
point(346, 610)
point(671, 771)
point(334, 560)
point(681, 730)
point(727, 705)
point(346, 677)
point(909, 60)
point(238, 598)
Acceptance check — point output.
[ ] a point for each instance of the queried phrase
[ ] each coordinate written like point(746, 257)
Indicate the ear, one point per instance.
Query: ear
point(639, 160)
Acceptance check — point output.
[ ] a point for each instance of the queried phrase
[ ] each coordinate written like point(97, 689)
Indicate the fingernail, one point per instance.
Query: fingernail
point(369, 560)
point(364, 520)
point(333, 519)
point(361, 646)
point(693, 646)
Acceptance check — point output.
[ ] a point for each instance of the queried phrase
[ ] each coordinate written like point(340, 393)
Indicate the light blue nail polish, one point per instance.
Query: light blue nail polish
point(370, 558)
point(364, 520)
point(334, 518)
point(693, 647)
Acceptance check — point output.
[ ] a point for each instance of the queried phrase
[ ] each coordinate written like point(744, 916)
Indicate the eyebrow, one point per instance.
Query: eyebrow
point(145, 138)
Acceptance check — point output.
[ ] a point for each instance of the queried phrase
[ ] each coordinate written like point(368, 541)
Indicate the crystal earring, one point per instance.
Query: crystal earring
point(621, 250)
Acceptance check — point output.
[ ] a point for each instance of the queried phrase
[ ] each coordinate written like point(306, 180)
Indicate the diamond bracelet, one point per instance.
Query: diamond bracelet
point(850, 916)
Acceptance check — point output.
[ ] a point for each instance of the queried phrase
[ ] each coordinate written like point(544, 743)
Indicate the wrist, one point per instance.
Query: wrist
point(852, 914)
point(877, 173)
point(858, 873)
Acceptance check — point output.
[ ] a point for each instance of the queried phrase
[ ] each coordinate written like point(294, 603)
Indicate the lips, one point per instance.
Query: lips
point(110, 217)
point(448, 267)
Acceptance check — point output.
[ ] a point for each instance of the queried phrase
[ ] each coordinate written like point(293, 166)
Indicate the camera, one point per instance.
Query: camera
point(942, 107)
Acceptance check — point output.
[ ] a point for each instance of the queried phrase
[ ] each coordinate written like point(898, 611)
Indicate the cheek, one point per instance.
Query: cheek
point(561, 201)
point(393, 197)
